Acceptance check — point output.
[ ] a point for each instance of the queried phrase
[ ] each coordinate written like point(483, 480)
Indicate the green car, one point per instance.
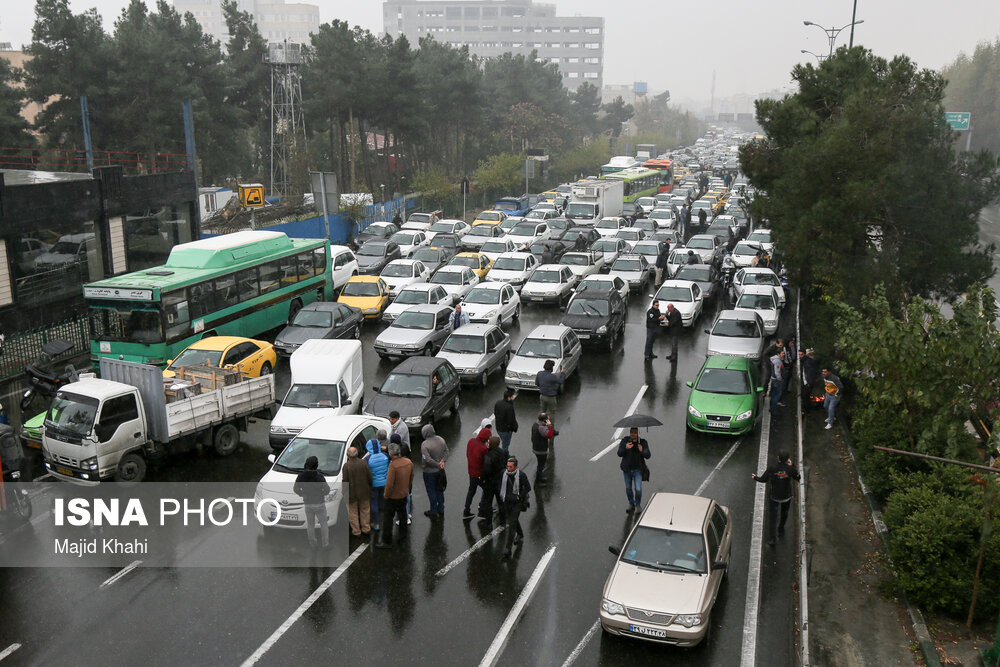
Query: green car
point(726, 397)
point(31, 432)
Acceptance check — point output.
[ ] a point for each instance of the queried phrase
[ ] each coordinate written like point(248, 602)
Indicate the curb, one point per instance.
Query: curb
point(916, 617)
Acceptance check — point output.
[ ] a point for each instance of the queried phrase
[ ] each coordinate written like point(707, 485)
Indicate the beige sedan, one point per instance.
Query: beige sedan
point(667, 576)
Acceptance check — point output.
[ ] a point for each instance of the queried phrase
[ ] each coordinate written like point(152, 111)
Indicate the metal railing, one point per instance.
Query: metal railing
point(72, 159)
point(23, 347)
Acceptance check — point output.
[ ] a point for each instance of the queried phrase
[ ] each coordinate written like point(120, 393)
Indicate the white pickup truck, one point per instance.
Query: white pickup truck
point(102, 429)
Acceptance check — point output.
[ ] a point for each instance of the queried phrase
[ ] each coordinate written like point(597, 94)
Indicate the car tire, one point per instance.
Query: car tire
point(226, 439)
point(265, 369)
point(429, 350)
point(131, 469)
point(484, 379)
point(455, 405)
point(505, 361)
point(356, 335)
point(516, 317)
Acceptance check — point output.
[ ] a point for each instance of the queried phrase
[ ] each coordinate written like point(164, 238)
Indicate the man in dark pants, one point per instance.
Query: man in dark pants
point(780, 474)
point(702, 219)
point(674, 325)
point(661, 263)
point(653, 319)
point(493, 467)
point(311, 485)
point(505, 419)
point(398, 484)
point(513, 491)
point(542, 433)
point(633, 451)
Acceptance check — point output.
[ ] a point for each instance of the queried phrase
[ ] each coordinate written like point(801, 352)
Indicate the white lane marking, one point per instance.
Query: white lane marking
point(471, 550)
point(308, 602)
point(571, 658)
point(121, 573)
point(496, 648)
point(619, 431)
point(752, 606)
point(47, 475)
point(7, 651)
point(718, 467)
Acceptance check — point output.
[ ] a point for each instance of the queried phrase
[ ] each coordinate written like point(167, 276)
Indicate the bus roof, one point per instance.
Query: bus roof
point(654, 163)
point(630, 173)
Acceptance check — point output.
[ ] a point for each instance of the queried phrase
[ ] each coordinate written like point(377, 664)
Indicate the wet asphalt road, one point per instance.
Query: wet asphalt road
point(392, 607)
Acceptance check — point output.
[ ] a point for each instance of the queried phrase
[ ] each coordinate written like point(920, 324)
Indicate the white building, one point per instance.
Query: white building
point(276, 19)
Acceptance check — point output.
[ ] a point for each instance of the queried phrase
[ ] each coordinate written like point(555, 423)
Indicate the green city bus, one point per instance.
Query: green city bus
point(639, 182)
point(240, 284)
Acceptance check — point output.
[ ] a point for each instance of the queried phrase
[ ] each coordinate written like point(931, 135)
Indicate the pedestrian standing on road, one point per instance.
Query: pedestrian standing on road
point(780, 474)
point(399, 428)
point(654, 324)
point(378, 463)
point(475, 452)
point(459, 318)
point(494, 464)
point(433, 452)
point(359, 480)
point(397, 219)
point(833, 388)
point(634, 452)
point(661, 263)
point(777, 379)
point(547, 256)
point(765, 361)
point(702, 219)
point(398, 485)
point(810, 373)
point(505, 419)
point(514, 489)
point(542, 435)
point(311, 486)
point(674, 324)
point(404, 451)
point(548, 386)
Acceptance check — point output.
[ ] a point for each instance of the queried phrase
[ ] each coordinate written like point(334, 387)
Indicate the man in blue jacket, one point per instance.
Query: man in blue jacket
point(378, 461)
point(634, 452)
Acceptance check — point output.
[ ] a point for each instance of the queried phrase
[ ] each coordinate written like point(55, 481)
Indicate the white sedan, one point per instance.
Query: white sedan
point(523, 234)
point(418, 294)
point(633, 269)
point(492, 303)
point(610, 248)
point(583, 264)
point(456, 227)
point(496, 247)
point(608, 227)
point(400, 273)
point(457, 281)
point(686, 297)
point(409, 240)
point(763, 237)
point(760, 299)
point(550, 283)
point(514, 268)
point(759, 276)
point(630, 235)
point(744, 252)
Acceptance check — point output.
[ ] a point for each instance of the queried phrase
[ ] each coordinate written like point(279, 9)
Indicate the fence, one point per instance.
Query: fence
point(72, 159)
point(23, 347)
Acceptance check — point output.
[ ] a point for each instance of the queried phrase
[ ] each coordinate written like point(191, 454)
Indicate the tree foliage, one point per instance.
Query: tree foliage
point(862, 185)
point(503, 173)
point(15, 131)
point(974, 86)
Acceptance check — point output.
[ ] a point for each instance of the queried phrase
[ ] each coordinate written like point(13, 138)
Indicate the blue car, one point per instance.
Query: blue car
point(517, 206)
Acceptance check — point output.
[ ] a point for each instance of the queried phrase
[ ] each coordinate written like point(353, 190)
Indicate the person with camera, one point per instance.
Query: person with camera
point(514, 490)
point(634, 452)
point(541, 439)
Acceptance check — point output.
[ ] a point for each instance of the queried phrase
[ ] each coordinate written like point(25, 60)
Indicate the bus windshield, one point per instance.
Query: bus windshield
point(129, 322)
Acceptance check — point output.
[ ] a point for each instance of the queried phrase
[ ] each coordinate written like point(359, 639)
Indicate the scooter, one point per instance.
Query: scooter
point(42, 376)
point(14, 498)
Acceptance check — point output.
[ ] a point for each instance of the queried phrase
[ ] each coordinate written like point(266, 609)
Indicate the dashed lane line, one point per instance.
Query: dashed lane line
point(718, 467)
point(619, 431)
point(121, 573)
point(748, 654)
point(7, 651)
point(571, 658)
point(471, 550)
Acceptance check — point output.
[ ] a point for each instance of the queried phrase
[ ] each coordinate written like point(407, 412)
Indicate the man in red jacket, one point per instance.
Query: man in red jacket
point(475, 452)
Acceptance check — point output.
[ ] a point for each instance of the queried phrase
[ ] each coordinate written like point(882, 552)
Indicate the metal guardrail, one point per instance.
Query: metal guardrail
point(22, 348)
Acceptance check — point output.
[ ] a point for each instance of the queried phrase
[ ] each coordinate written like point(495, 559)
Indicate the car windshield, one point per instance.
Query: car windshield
point(428, 256)
point(412, 297)
point(447, 278)
point(372, 250)
point(464, 344)
point(577, 260)
point(666, 550)
point(483, 295)
point(509, 264)
point(471, 262)
point(493, 217)
point(312, 318)
point(628, 234)
point(535, 215)
point(523, 230)
point(594, 283)
point(763, 301)
point(695, 274)
point(557, 223)
point(481, 230)
point(761, 279)
point(409, 319)
point(312, 396)
point(407, 385)
point(419, 217)
point(674, 294)
point(539, 347)
point(495, 246)
point(545, 277)
point(64, 248)
point(591, 307)
point(360, 289)
point(328, 452)
point(446, 241)
point(746, 249)
point(646, 249)
point(605, 246)
point(192, 357)
point(626, 265)
point(723, 381)
point(736, 328)
point(645, 202)
point(403, 238)
point(378, 231)
point(608, 224)
point(762, 237)
point(702, 244)
point(442, 227)
point(398, 271)
point(71, 414)
point(660, 214)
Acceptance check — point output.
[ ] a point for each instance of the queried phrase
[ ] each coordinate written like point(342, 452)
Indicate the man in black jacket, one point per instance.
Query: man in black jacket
point(312, 487)
point(504, 418)
point(513, 492)
point(674, 324)
point(654, 323)
point(780, 474)
point(633, 451)
point(542, 435)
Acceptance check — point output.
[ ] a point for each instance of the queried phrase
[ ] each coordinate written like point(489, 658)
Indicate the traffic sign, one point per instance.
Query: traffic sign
point(251, 194)
point(959, 120)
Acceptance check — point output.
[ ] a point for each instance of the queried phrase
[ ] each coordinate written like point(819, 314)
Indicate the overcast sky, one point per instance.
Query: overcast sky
point(673, 45)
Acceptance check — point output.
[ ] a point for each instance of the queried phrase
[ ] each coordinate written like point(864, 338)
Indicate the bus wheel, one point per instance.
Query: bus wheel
point(293, 308)
point(226, 440)
point(131, 468)
point(265, 369)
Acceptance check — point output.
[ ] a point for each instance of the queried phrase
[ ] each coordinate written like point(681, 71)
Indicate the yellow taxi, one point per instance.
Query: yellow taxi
point(252, 358)
point(549, 196)
point(479, 263)
point(489, 217)
point(369, 294)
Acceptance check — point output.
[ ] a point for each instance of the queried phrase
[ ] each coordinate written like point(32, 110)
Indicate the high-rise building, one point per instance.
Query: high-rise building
point(277, 20)
point(493, 27)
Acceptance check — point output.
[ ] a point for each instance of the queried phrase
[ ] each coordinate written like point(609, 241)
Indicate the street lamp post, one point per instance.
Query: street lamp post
point(831, 33)
point(854, 16)
point(814, 55)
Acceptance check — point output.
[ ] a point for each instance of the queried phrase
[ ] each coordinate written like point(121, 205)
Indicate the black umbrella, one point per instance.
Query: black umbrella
point(637, 421)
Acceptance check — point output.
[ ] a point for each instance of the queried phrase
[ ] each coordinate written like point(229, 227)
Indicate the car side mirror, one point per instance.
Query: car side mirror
point(615, 550)
point(345, 403)
point(271, 458)
point(690, 384)
point(707, 331)
point(720, 565)
point(375, 387)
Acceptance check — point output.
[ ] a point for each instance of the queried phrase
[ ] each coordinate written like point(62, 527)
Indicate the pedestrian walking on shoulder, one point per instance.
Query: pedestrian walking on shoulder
point(311, 486)
point(475, 452)
point(654, 324)
point(433, 452)
point(662, 258)
point(549, 384)
point(378, 464)
point(505, 419)
point(674, 324)
point(810, 373)
point(399, 428)
point(634, 452)
point(780, 474)
point(765, 360)
point(777, 379)
point(359, 480)
point(398, 485)
point(494, 464)
point(513, 491)
point(542, 435)
point(833, 388)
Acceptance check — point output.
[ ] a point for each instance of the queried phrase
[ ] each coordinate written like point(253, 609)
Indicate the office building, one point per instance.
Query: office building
point(277, 20)
point(493, 27)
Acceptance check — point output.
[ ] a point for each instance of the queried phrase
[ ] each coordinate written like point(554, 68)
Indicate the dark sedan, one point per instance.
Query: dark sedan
point(555, 248)
point(323, 319)
point(411, 390)
point(374, 255)
point(596, 314)
point(450, 243)
point(706, 275)
point(433, 258)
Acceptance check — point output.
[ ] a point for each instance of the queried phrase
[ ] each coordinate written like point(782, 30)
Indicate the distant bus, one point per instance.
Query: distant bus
point(666, 169)
point(639, 182)
point(240, 284)
point(618, 163)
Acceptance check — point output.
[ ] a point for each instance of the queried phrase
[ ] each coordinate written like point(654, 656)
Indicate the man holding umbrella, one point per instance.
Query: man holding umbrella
point(634, 452)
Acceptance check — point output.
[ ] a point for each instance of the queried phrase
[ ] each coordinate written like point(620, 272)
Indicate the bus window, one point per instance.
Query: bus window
point(175, 313)
point(247, 283)
point(270, 277)
point(319, 261)
point(289, 269)
point(226, 294)
point(137, 323)
point(200, 299)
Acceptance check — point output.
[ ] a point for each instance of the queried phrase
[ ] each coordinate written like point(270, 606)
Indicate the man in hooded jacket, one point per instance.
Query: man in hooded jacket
point(475, 452)
point(433, 454)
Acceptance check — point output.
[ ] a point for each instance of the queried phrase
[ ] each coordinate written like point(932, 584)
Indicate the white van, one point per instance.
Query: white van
point(327, 381)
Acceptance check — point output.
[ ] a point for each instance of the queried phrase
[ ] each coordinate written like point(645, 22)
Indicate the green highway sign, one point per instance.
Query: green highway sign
point(959, 120)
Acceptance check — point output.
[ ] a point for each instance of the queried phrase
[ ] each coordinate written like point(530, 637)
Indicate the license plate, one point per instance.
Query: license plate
point(583, 336)
point(536, 298)
point(65, 471)
point(649, 632)
point(285, 516)
point(718, 424)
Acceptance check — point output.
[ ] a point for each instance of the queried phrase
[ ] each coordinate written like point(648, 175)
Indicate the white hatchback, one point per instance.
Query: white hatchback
point(492, 303)
point(514, 268)
point(760, 299)
point(400, 273)
point(457, 281)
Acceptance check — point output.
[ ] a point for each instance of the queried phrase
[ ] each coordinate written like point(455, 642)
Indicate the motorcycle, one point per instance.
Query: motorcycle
point(728, 271)
point(43, 378)
point(14, 496)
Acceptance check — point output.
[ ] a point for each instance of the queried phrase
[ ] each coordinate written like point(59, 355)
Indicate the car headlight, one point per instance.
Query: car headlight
point(552, 292)
point(410, 421)
point(770, 323)
point(279, 430)
point(89, 464)
point(744, 415)
point(612, 607)
point(694, 411)
point(603, 329)
point(688, 620)
point(368, 311)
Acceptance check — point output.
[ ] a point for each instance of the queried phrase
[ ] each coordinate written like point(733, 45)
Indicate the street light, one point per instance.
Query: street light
point(831, 33)
point(814, 55)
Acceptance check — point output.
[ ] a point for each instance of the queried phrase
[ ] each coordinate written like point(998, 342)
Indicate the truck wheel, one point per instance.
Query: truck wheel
point(226, 439)
point(131, 468)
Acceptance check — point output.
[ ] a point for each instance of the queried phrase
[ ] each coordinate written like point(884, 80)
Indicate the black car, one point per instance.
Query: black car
point(323, 319)
point(377, 231)
point(410, 389)
point(374, 255)
point(556, 249)
point(558, 225)
point(631, 211)
point(450, 243)
point(433, 258)
point(724, 231)
point(707, 276)
point(568, 238)
point(596, 315)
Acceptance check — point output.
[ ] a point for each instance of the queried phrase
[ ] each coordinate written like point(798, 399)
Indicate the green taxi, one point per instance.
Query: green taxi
point(726, 396)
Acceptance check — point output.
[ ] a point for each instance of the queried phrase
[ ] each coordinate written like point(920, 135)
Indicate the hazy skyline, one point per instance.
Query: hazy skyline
point(751, 47)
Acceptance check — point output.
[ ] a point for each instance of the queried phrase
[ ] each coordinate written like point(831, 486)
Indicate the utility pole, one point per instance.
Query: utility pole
point(854, 22)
